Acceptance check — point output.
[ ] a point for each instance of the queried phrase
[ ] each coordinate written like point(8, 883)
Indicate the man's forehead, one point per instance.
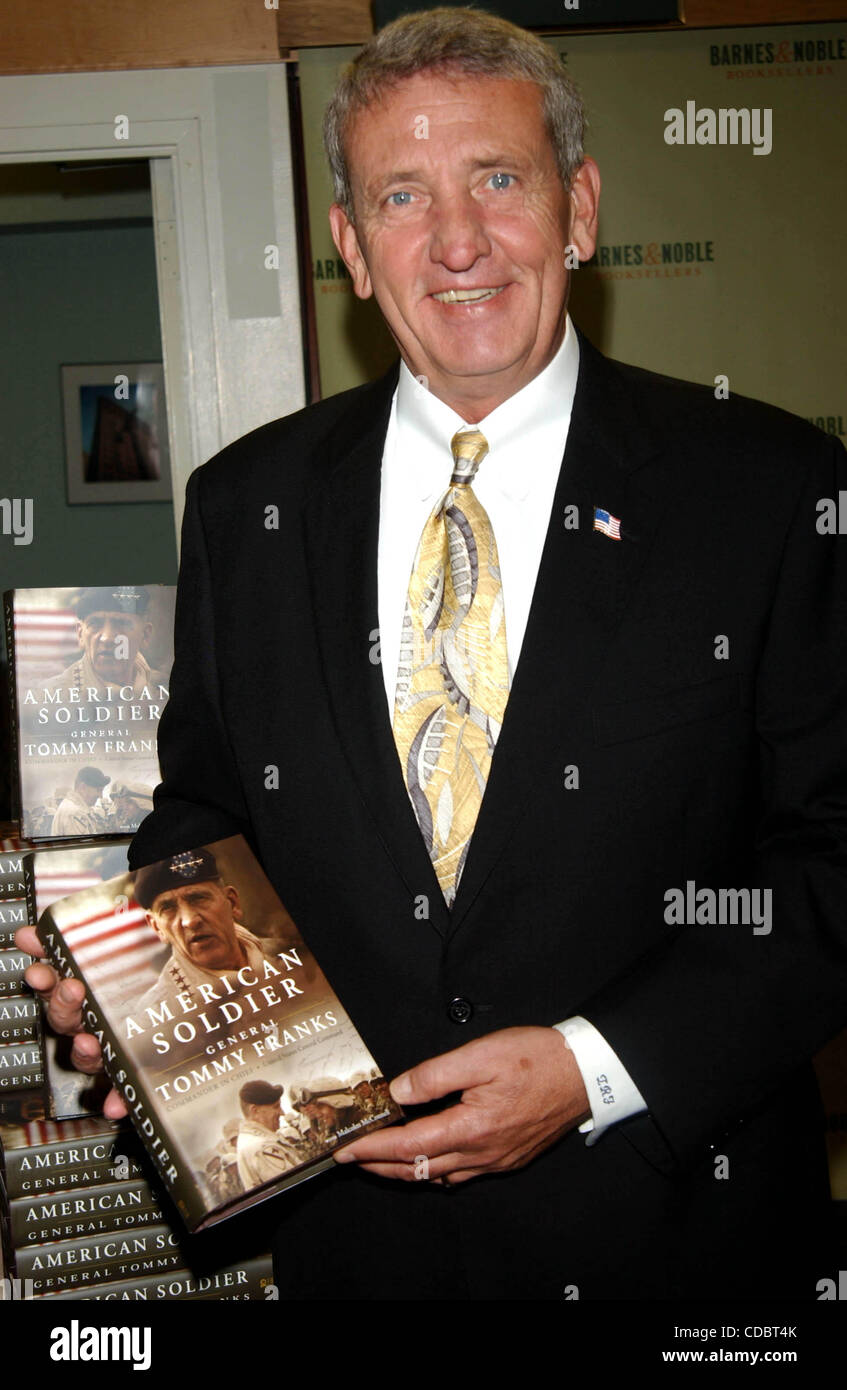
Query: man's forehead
point(100, 614)
point(183, 890)
point(492, 114)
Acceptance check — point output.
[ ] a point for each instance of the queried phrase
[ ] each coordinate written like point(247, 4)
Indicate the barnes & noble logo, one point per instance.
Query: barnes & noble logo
point(766, 53)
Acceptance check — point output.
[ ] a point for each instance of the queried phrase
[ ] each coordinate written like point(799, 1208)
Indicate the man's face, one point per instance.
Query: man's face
point(88, 793)
point(268, 1115)
point(111, 642)
point(199, 918)
point(456, 188)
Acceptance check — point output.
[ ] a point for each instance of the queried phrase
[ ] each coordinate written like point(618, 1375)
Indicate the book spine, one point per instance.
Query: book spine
point(69, 1162)
point(172, 1169)
point(23, 1107)
point(14, 741)
point(114, 1207)
point(11, 876)
point(252, 1280)
point(21, 1066)
point(70, 1264)
point(29, 888)
point(19, 1019)
point(13, 914)
point(12, 966)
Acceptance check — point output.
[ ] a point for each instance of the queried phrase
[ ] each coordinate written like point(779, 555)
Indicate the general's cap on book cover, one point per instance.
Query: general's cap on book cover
point(90, 670)
point(241, 1069)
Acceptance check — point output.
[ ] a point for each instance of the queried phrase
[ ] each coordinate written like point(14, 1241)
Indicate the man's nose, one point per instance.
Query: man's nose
point(459, 237)
point(187, 916)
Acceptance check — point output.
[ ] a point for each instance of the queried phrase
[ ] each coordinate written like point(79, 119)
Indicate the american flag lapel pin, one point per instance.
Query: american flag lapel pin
point(608, 524)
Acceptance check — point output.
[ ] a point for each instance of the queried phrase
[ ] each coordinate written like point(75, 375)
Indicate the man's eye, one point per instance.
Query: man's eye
point(403, 194)
point(502, 181)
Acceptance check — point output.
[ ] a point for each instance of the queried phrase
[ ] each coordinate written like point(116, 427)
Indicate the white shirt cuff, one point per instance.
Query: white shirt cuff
point(612, 1093)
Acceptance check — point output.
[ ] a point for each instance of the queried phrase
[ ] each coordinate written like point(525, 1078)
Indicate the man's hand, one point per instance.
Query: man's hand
point(521, 1091)
point(63, 1001)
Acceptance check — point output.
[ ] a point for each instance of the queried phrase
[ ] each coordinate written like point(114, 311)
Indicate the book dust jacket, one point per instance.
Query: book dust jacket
point(240, 1067)
point(89, 675)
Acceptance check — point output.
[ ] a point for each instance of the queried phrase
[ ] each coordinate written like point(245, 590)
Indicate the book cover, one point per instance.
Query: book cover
point(89, 673)
point(218, 1027)
point(49, 874)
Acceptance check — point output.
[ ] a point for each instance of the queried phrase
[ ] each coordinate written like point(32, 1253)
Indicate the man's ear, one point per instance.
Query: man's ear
point(344, 236)
point(584, 201)
point(235, 902)
point(151, 922)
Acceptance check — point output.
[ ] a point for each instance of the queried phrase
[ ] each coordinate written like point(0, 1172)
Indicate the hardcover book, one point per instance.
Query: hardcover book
point(250, 1280)
point(19, 1018)
point(97, 1259)
point(12, 966)
point(240, 1067)
point(89, 673)
point(50, 874)
point(36, 1220)
point(12, 876)
point(13, 914)
point(48, 1156)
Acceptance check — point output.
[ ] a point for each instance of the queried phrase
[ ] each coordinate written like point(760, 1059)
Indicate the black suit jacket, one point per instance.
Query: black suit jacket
point(726, 769)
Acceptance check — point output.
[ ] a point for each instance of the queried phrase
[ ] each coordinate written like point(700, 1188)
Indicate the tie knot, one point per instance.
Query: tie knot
point(469, 449)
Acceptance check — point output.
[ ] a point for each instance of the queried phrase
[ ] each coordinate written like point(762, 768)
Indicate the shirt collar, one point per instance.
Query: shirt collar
point(549, 396)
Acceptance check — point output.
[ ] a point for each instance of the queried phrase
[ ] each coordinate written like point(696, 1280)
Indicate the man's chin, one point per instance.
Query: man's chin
point(114, 672)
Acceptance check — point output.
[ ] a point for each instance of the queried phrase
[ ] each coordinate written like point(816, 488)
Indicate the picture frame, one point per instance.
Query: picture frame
point(116, 432)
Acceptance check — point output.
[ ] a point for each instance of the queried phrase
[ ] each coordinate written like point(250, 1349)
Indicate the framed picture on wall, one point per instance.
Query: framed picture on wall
point(116, 432)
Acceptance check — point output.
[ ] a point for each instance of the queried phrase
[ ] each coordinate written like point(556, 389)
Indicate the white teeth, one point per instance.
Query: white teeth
point(465, 296)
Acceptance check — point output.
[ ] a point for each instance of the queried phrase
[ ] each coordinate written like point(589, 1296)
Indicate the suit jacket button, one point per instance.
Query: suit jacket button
point(459, 1011)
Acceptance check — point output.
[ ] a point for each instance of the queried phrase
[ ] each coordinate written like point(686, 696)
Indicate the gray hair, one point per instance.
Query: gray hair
point(447, 40)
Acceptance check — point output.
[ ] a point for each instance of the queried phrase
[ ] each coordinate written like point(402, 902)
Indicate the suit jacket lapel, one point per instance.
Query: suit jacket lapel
point(341, 536)
point(584, 581)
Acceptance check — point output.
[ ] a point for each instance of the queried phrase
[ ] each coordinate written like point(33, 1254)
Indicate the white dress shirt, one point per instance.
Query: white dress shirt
point(515, 484)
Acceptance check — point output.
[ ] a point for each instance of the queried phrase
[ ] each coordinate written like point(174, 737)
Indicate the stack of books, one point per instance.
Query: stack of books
point(82, 1215)
point(86, 1220)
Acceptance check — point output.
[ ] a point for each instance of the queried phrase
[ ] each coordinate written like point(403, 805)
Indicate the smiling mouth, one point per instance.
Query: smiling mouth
point(468, 296)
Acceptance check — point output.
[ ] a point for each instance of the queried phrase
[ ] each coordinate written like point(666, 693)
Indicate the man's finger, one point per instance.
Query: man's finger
point(114, 1107)
point(470, 1065)
point(451, 1132)
point(42, 978)
point(26, 939)
point(420, 1171)
point(86, 1055)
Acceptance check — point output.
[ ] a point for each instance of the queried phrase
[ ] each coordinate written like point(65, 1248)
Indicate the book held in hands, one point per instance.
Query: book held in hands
point(218, 1027)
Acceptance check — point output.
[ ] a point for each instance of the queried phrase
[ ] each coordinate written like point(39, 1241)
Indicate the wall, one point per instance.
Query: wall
point(74, 294)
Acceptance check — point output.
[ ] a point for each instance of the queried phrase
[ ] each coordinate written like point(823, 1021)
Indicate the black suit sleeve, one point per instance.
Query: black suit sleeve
point(718, 1019)
point(200, 797)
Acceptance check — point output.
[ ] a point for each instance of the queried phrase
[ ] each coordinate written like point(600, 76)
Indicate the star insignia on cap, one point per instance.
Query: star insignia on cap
point(185, 864)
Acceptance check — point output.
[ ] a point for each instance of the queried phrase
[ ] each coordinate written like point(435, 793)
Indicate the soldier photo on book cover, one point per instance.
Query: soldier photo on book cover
point(90, 674)
point(239, 1063)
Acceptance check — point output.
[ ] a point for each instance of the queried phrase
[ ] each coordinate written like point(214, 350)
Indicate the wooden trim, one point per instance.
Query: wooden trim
point(105, 35)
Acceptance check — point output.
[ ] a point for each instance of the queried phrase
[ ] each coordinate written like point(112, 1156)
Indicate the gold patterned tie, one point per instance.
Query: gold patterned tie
point(453, 673)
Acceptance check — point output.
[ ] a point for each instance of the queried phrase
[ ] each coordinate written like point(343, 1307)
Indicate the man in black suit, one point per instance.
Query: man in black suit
point(675, 720)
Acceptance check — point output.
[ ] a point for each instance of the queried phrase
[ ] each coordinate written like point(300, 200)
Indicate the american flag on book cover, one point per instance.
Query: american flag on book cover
point(112, 941)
